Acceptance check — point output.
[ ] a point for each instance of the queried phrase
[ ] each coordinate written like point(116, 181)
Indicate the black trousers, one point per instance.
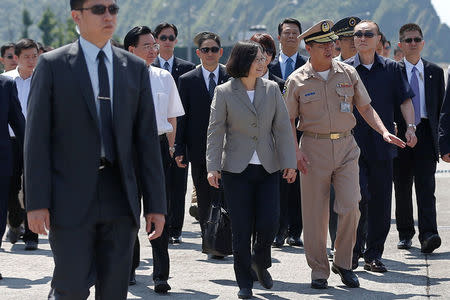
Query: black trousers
point(160, 246)
point(98, 251)
point(16, 213)
point(291, 223)
point(375, 207)
point(252, 199)
point(205, 192)
point(177, 181)
point(416, 165)
point(4, 191)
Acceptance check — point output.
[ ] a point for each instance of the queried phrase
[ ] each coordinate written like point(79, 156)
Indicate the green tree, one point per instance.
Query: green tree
point(26, 21)
point(71, 34)
point(47, 25)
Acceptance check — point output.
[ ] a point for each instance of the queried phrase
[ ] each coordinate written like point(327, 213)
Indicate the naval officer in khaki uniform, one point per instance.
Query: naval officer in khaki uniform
point(322, 94)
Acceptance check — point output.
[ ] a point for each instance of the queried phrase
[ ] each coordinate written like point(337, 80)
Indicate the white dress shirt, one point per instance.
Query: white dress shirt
point(165, 98)
point(90, 52)
point(162, 61)
point(255, 159)
point(282, 59)
point(206, 76)
point(266, 75)
point(420, 76)
point(23, 89)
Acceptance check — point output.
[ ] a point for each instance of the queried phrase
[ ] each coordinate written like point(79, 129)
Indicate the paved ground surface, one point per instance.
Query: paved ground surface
point(412, 275)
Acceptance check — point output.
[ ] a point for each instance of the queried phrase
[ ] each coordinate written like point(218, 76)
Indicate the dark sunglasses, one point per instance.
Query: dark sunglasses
point(213, 49)
point(9, 56)
point(416, 40)
point(165, 38)
point(100, 9)
point(367, 34)
point(268, 51)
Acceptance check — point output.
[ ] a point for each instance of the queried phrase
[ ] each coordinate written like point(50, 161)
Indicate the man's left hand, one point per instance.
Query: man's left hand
point(158, 220)
point(411, 138)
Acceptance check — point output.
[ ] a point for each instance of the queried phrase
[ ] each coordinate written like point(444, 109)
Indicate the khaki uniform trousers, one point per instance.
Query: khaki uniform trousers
point(336, 162)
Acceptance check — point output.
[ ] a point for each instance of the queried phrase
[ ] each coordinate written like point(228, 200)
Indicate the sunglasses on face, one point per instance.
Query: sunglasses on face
point(367, 34)
point(9, 56)
point(100, 9)
point(416, 40)
point(165, 38)
point(207, 49)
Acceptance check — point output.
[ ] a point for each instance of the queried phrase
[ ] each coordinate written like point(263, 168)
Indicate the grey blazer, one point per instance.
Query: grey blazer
point(238, 127)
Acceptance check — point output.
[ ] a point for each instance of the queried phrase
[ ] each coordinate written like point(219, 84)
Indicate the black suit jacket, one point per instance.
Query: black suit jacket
point(444, 123)
point(193, 126)
point(278, 80)
point(180, 66)
point(10, 114)
point(275, 68)
point(434, 94)
point(62, 139)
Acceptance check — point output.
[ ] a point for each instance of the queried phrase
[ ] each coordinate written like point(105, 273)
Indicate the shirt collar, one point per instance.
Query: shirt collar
point(266, 76)
point(91, 51)
point(308, 71)
point(283, 57)
point(206, 73)
point(377, 59)
point(409, 66)
point(162, 60)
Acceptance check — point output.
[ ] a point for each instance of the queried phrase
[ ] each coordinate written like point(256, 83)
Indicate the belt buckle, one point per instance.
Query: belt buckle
point(335, 136)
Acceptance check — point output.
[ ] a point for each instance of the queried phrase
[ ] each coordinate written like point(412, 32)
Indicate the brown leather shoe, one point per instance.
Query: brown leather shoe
point(375, 266)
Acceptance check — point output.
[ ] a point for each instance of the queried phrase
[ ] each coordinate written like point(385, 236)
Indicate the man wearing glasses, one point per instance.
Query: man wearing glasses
point(90, 111)
point(168, 107)
point(7, 57)
point(418, 164)
point(196, 91)
point(166, 36)
point(389, 91)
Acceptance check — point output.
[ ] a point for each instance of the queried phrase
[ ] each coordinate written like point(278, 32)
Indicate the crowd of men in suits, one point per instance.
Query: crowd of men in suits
point(87, 163)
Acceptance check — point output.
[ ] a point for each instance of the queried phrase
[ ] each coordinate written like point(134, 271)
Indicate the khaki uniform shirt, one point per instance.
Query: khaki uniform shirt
point(317, 102)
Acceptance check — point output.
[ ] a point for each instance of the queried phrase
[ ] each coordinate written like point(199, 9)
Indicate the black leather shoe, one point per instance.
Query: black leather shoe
point(263, 275)
point(431, 243)
point(375, 266)
point(294, 241)
point(245, 293)
point(404, 244)
point(132, 278)
point(319, 284)
point(31, 245)
point(13, 234)
point(211, 256)
point(161, 286)
point(175, 240)
point(278, 242)
point(347, 276)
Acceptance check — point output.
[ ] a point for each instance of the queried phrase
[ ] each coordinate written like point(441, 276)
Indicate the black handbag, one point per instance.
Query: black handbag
point(217, 234)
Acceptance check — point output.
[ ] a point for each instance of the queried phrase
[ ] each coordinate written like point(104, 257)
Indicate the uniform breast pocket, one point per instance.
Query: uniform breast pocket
point(346, 93)
point(311, 104)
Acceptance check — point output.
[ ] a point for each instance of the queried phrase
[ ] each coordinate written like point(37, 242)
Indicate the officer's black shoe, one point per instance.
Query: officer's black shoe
point(404, 244)
point(294, 241)
point(319, 284)
point(347, 276)
point(245, 293)
point(278, 242)
point(31, 245)
point(263, 275)
point(161, 286)
point(431, 243)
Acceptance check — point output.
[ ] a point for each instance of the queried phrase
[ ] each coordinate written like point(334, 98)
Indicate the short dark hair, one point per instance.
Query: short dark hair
point(371, 22)
point(165, 25)
point(132, 37)
point(241, 58)
point(40, 46)
point(289, 21)
point(209, 36)
point(409, 27)
point(75, 4)
point(6, 47)
point(25, 44)
point(266, 41)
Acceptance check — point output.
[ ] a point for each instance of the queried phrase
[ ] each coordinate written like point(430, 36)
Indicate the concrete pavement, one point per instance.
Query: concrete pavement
point(411, 275)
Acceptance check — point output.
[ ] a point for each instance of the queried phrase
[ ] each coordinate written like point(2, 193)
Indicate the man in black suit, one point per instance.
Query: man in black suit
point(166, 36)
point(10, 114)
point(418, 164)
point(288, 59)
point(196, 92)
point(90, 109)
point(444, 124)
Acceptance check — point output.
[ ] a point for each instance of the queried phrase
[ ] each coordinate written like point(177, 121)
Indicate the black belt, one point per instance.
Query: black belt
point(162, 137)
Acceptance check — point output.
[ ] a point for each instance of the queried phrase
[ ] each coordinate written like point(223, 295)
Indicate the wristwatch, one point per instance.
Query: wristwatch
point(172, 149)
point(413, 126)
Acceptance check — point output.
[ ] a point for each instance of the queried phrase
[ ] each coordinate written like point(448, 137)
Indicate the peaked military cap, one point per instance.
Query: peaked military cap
point(345, 26)
point(319, 33)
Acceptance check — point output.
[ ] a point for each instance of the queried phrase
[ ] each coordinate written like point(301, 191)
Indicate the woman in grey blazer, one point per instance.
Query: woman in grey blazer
point(249, 141)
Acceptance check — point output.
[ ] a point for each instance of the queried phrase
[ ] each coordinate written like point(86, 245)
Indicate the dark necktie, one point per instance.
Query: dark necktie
point(167, 66)
point(289, 69)
point(105, 108)
point(416, 99)
point(212, 84)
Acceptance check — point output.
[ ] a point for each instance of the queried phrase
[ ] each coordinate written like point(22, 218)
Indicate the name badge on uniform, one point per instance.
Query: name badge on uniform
point(345, 106)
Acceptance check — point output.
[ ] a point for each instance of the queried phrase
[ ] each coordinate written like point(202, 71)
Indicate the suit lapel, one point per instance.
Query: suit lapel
point(241, 93)
point(175, 67)
point(222, 75)
point(78, 65)
point(260, 88)
point(427, 83)
point(201, 84)
point(119, 69)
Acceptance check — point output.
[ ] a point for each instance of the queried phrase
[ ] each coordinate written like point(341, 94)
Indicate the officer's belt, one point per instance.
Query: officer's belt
point(329, 136)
